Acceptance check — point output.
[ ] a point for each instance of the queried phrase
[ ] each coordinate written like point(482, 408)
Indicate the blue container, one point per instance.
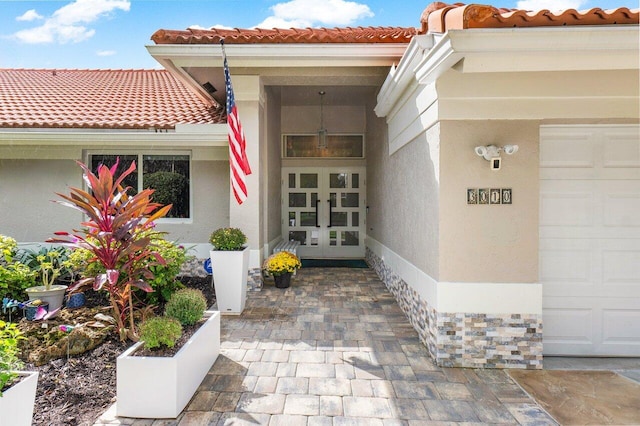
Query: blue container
point(76, 300)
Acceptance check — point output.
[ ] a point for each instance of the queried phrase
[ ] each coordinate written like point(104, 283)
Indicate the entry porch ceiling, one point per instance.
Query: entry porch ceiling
point(280, 65)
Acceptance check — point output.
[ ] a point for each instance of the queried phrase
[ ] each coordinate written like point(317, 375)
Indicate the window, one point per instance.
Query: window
point(338, 146)
point(168, 174)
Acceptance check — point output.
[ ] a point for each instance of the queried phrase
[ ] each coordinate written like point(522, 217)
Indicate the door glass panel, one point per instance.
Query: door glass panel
point(300, 236)
point(314, 237)
point(350, 199)
point(332, 197)
point(307, 218)
point(355, 219)
point(350, 238)
point(308, 180)
point(314, 199)
point(297, 199)
point(355, 180)
point(333, 238)
point(292, 180)
point(337, 180)
point(292, 218)
point(339, 218)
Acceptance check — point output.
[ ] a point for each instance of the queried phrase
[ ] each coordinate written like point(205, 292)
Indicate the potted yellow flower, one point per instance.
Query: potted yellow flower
point(282, 265)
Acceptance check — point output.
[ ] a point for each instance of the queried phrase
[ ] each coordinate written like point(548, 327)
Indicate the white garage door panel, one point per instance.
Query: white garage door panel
point(621, 326)
point(590, 239)
point(568, 325)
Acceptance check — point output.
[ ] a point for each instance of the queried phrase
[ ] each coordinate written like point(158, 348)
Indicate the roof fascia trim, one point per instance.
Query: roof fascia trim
point(533, 49)
point(217, 136)
point(262, 55)
point(401, 76)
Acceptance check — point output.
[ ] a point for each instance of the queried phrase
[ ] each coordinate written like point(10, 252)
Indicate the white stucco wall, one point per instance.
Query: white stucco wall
point(488, 243)
point(402, 195)
point(26, 190)
point(273, 164)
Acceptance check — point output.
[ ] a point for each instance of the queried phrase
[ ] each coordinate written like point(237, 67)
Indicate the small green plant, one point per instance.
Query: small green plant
point(49, 263)
point(8, 247)
point(228, 239)
point(9, 362)
point(186, 305)
point(159, 331)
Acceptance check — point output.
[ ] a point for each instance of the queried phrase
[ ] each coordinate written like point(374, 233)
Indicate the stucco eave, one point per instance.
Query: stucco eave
point(400, 76)
point(533, 49)
point(280, 55)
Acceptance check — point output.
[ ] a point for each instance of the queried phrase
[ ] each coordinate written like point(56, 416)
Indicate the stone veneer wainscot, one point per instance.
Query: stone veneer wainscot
point(464, 339)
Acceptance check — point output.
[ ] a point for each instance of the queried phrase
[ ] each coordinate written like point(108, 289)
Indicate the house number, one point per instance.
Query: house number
point(489, 196)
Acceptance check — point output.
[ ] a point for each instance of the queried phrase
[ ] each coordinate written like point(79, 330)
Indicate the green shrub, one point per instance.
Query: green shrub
point(163, 283)
point(158, 331)
point(14, 279)
point(8, 248)
point(186, 305)
point(9, 362)
point(228, 239)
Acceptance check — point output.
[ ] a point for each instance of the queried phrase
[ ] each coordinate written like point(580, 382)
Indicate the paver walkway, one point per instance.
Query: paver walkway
point(335, 349)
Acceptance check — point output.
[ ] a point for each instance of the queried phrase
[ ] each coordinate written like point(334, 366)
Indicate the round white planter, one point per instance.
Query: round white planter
point(230, 272)
point(55, 295)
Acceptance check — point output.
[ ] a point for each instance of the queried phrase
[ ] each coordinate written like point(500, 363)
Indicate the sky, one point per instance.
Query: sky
point(112, 34)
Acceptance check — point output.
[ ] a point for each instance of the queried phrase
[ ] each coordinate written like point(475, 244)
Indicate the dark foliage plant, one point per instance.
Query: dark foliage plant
point(116, 234)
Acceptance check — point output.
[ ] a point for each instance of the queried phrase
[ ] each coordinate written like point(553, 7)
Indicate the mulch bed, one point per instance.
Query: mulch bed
point(78, 390)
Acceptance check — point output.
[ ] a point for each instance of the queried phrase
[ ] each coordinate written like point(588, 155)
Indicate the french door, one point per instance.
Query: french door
point(324, 209)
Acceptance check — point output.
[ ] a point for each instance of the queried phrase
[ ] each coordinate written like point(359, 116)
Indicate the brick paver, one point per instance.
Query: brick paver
point(335, 349)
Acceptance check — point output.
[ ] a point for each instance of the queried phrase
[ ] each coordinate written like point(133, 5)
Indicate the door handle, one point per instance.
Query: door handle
point(317, 224)
point(329, 201)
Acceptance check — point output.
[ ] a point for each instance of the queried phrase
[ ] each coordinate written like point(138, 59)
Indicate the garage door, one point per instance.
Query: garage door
point(590, 239)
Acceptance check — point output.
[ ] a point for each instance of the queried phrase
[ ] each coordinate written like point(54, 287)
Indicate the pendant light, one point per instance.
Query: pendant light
point(322, 132)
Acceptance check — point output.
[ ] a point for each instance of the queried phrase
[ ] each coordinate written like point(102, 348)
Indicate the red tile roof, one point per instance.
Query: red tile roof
point(292, 35)
point(440, 17)
point(99, 99)
point(437, 17)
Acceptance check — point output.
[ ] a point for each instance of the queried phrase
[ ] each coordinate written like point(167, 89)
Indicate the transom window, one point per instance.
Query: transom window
point(337, 146)
point(168, 174)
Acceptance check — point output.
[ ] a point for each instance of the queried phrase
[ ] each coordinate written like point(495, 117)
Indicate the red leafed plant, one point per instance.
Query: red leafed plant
point(115, 234)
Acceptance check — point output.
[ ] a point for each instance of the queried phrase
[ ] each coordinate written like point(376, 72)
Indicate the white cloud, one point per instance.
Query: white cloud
point(217, 26)
point(552, 5)
point(65, 25)
point(310, 13)
point(29, 15)
point(106, 52)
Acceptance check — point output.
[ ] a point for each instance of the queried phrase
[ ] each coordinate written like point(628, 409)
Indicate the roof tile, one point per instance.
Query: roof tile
point(99, 99)
point(291, 35)
point(440, 17)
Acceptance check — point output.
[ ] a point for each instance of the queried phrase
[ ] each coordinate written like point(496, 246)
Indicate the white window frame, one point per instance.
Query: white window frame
point(139, 170)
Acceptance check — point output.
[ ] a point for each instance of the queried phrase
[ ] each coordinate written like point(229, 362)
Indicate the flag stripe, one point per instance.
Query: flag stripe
point(238, 161)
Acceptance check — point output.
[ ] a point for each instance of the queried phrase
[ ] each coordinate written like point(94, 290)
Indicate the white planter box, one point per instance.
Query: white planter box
point(230, 271)
point(160, 387)
point(16, 404)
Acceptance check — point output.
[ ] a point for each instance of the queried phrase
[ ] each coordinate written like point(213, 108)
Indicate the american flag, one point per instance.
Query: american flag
point(238, 161)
